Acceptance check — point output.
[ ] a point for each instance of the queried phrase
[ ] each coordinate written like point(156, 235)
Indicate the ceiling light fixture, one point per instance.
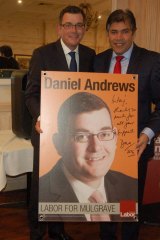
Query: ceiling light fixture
point(19, 1)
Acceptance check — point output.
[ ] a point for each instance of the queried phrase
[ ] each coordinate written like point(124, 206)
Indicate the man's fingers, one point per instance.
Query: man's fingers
point(141, 144)
point(37, 127)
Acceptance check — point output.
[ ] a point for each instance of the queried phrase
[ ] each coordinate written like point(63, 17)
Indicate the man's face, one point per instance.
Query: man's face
point(120, 37)
point(85, 156)
point(71, 35)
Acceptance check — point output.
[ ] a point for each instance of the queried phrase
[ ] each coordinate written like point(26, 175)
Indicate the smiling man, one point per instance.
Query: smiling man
point(121, 35)
point(125, 56)
point(86, 141)
point(66, 54)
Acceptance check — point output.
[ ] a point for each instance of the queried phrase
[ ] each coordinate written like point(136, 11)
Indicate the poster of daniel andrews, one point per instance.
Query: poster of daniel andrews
point(88, 157)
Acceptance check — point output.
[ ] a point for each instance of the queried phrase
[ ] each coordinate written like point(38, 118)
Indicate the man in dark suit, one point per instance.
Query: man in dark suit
point(4, 63)
point(54, 57)
point(121, 28)
point(7, 61)
point(86, 140)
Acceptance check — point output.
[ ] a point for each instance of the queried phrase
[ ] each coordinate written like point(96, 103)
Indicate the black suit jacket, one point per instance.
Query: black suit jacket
point(55, 188)
point(146, 64)
point(8, 63)
point(50, 58)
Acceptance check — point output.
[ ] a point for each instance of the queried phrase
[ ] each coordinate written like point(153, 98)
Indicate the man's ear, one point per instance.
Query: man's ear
point(58, 143)
point(116, 134)
point(58, 30)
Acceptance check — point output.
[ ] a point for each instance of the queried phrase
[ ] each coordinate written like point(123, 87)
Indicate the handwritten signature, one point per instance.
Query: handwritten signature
point(129, 147)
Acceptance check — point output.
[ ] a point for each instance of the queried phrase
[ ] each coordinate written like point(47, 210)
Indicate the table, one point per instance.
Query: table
point(16, 156)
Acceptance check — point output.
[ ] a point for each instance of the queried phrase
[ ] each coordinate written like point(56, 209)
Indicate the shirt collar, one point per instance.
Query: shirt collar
point(82, 190)
point(126, 55)
point(66, 49)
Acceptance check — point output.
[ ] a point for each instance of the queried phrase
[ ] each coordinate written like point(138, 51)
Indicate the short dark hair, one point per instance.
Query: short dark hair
point(73, 10)
point(6, 51)
point(79, 103)
point(121, 15)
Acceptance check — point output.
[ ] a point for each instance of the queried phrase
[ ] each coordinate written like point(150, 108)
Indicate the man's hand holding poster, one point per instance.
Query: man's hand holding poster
point(88, 157)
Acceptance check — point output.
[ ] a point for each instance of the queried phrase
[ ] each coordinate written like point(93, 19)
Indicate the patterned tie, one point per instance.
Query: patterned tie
point(73, 64)
point(117, 67)
point(97, 197)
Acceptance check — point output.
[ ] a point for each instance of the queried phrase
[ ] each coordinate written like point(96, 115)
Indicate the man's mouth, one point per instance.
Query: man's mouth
point(96, 158)
point(74, 36)
point(119, 44)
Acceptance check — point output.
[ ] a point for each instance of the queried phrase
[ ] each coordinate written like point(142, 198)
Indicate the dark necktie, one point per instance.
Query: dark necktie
point(97, 197)
point(117, 67)
point(73, 64)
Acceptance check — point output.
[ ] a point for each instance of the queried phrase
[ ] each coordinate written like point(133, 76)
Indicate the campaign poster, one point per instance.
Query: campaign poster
point(88, 157)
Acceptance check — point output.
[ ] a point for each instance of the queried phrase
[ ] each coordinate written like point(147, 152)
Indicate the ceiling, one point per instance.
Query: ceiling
point(44, 9)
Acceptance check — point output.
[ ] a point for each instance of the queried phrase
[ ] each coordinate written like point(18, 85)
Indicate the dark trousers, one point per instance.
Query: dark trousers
point(39, 229)
point(130, 230)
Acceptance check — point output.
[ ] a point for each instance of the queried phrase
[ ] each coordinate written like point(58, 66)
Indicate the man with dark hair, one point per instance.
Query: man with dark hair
point(126, 57)
point(66, 54)
point(121, 16)
point(86, 141)
point(6, 51)
point(6, 60)
point(73, 10)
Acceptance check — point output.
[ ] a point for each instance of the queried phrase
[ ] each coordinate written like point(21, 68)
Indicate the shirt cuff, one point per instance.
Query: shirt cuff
point(149, 133)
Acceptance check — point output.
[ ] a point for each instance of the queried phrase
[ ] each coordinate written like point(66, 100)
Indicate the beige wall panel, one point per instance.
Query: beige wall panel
point(148, 21)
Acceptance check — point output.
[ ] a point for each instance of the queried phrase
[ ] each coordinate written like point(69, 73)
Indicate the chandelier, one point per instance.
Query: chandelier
point(91, 16)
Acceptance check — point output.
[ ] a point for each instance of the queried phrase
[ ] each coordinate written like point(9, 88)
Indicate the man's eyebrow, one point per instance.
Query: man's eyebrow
point(115, 30)
point(80, 130)
point(106, 128)
point(72, 23)
point(77, 130)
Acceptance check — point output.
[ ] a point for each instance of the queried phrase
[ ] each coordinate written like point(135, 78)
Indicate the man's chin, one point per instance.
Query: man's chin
point(97, 174)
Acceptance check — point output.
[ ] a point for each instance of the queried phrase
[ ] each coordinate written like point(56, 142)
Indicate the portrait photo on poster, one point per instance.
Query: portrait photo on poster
point(88, 158)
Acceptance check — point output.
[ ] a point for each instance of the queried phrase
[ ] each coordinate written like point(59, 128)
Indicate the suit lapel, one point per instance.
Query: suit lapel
point(81, 60)
point(135, 60)
point(64, 194)
point(107, 61)
point(57, 183)
point(111, 187)
point(60, 59)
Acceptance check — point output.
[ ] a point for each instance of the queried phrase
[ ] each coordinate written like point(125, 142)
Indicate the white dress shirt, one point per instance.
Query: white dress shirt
point(82, 190)
point(68, 57)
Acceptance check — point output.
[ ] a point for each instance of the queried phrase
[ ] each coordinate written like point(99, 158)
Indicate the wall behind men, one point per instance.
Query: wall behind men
point(26, 35)
point(23, 36)
point(29, 33)
point(148, 21)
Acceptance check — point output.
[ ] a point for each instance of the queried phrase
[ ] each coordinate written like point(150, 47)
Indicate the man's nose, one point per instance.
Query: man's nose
point(74, 28)
point(94, 144)
point(119, 35)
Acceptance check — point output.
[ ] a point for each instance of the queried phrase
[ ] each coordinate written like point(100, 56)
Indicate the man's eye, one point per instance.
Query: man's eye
point(113, 32)
point(81, 138)
point(125, 31)
point(80, 25)
point(68, 25)
point(104, 134)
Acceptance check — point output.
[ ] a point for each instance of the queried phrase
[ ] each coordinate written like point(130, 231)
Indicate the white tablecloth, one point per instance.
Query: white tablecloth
point(16, 156)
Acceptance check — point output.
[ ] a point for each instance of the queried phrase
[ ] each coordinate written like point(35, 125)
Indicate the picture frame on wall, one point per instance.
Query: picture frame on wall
point(23, 60)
